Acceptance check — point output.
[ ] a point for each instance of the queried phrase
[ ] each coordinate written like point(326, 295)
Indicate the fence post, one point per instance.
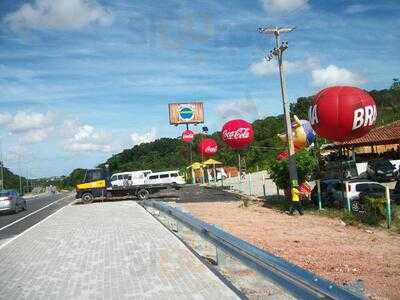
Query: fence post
point(388, 210)
point(319, 194)
point(263, 185)
point(346, 185)
point(250, 185)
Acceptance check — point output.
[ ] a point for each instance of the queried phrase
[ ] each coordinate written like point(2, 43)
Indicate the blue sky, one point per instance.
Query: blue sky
point(83, 79)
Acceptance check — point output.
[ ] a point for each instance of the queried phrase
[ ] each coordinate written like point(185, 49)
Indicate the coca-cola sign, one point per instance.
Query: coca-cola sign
point(211, 149)
point(208, 147)
point(187, 136)
point(237, 134)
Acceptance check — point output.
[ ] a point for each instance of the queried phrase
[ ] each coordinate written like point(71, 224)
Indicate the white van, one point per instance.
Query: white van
point(129, 178)
point(165, 177)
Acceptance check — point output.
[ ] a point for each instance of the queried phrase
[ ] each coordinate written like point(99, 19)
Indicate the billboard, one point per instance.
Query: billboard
point(186, 113)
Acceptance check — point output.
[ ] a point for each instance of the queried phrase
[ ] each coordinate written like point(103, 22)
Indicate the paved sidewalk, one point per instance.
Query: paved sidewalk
point(111, 250)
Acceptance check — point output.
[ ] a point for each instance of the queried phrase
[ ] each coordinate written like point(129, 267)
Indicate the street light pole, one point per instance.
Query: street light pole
point(278, 52)
point(2, 165)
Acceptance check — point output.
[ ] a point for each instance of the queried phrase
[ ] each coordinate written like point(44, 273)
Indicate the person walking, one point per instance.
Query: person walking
point(296, 204)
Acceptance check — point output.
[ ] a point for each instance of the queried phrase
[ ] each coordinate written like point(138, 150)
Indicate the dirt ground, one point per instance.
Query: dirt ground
point(322, 245)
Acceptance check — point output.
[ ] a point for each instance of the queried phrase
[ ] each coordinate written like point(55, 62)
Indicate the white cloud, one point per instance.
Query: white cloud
point(358, 8)
point(17, 73)
point(36, 136)
point(58, 14)
point(267, 68)
point(25, 121)
point(146, 137)
point(264, 68)
point(271, 6)
point(333, 75)
point(86, 138)
point(246, 108)
point(32, 127)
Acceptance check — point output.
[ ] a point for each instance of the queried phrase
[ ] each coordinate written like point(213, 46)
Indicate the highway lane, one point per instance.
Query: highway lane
point(37, 209)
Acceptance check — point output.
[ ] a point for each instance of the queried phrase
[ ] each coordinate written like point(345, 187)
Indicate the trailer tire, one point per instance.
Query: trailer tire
point(87, 198)
point(142, 194)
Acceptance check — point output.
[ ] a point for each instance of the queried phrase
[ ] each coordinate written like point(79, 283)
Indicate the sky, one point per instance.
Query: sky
point(81, 80)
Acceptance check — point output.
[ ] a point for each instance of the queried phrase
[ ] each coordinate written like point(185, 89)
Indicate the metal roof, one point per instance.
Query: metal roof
point(383, 135)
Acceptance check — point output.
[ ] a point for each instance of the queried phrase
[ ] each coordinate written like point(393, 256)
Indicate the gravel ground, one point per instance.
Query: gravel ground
point(343, 254)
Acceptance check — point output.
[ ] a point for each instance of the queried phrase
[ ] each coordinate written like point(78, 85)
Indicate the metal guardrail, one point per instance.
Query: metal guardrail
point(297, 281)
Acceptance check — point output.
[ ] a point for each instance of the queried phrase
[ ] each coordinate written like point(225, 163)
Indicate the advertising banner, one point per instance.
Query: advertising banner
point(186, 113)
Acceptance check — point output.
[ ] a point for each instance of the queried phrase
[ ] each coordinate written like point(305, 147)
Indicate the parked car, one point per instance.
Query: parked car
point(381, 170)
point(333, 193)
point(380, 192)
point(172, 177)
point(326, 192)
point(11, 201)
point(397, 187)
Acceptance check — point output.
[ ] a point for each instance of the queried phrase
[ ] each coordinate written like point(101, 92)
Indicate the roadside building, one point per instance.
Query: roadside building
point(380, 143)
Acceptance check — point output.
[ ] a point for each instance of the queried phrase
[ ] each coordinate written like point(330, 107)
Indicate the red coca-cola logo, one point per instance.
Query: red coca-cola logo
point(208, 147)
point(237, 134)
point(240, 133)
point(187, 136)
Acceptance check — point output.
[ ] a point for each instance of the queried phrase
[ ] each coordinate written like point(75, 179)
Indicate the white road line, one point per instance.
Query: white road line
point(30, 228)
point(32, 213)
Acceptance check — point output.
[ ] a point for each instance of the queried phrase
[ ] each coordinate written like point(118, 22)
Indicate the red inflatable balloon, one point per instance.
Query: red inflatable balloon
point(187, 136)
point(208, 147)
point(341, 113)
point(237, 134)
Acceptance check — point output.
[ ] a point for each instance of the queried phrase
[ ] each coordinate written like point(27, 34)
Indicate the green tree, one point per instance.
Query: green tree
point(279, 170)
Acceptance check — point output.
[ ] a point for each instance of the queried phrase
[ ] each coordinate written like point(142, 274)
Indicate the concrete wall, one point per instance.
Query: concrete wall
point(252, 184)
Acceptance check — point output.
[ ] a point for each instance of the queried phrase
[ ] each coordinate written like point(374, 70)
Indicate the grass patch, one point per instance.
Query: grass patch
point(281, 203)
point(396, 219)
point(375, 214)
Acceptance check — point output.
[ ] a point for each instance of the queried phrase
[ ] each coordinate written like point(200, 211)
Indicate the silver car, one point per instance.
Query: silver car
point(11, 201)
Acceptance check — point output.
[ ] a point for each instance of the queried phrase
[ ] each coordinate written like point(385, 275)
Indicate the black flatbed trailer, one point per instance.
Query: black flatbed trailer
point(141, 192)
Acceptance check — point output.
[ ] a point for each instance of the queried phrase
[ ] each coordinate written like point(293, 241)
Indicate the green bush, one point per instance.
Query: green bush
point(374, 211)
point(396, 218)
point(349, 218)
point(306, 165)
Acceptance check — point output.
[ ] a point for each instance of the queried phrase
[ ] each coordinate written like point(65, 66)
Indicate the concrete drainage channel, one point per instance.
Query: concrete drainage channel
point(256, 273)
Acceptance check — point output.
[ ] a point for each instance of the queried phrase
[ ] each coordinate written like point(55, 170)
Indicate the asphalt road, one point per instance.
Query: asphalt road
point(195, 193)
point(37, 209)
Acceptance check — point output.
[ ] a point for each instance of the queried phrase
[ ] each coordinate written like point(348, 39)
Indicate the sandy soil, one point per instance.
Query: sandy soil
point(320, 244)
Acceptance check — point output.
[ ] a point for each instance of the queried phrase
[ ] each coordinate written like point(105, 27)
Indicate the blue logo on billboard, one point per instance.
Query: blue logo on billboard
point(186, 113)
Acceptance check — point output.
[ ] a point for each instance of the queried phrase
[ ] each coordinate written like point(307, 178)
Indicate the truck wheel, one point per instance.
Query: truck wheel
point(87, 198)
point(142, 194)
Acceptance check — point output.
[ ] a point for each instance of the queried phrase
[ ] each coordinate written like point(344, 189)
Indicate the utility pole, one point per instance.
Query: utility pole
point(278, 52)
point(20, 179)
point(2, 166)
point(2, 174)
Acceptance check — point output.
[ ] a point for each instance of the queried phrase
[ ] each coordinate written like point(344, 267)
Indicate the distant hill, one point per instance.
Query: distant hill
point(11, 181)
point(172, 153)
